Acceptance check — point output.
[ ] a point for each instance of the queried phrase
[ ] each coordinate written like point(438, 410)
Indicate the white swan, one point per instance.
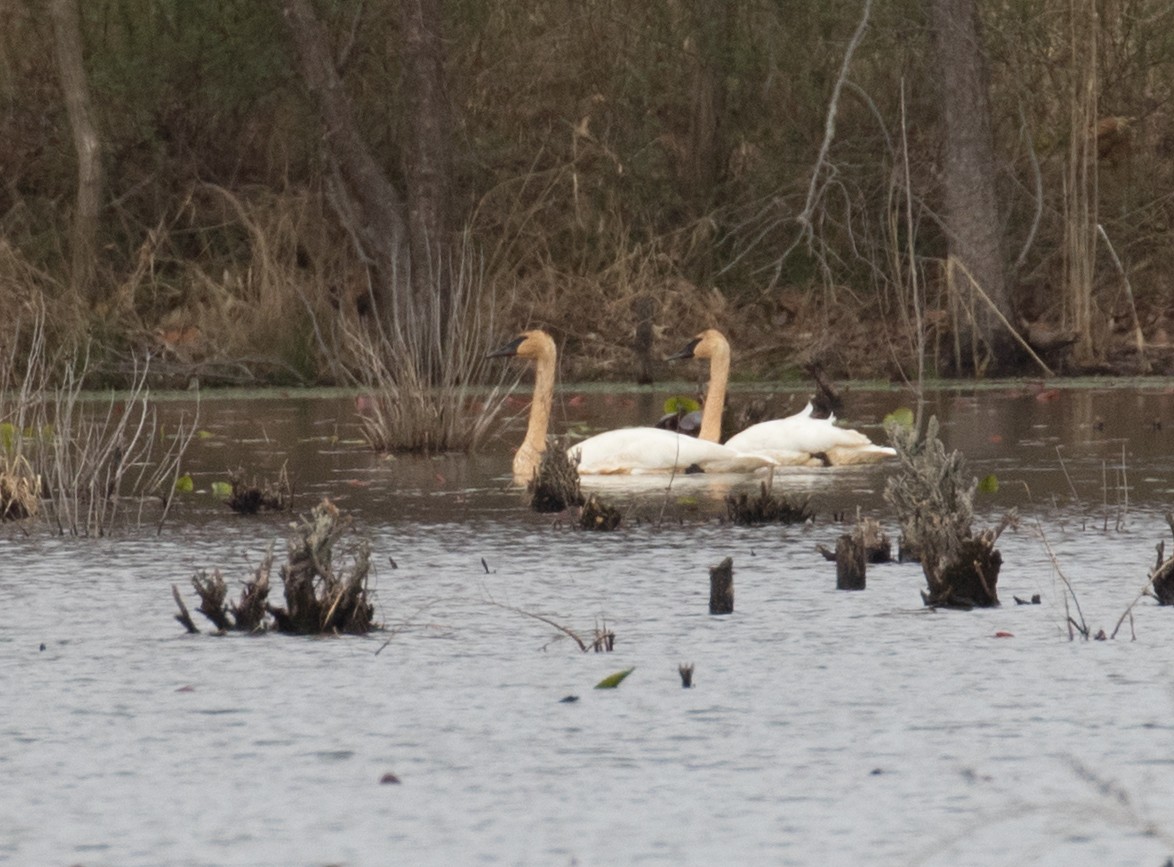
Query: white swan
point(628, 450)
point(797, 440)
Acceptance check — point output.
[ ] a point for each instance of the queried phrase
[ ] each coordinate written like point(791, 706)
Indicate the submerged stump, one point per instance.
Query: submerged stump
point(721, 587)
point(850, 563)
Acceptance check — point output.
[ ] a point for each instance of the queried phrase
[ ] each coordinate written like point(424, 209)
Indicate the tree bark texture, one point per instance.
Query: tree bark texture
point(372, 209)
point(67, 40)
point(428, 160)
point(972, 220)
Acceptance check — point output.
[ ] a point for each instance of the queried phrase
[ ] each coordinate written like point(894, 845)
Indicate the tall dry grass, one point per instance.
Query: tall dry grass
point(424, 381)
point(97, 463)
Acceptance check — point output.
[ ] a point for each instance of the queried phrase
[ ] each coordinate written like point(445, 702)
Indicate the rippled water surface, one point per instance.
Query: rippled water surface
point(824, 727)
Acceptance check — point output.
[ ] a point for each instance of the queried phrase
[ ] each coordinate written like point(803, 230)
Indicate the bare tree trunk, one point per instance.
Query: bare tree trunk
point(371, 208)
point(1080, 182)
point(67, 39)
point(971, 208)
point(428, 162)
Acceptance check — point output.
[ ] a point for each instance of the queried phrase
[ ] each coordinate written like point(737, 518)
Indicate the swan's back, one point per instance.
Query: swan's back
point(640, 450)
point(798, 438)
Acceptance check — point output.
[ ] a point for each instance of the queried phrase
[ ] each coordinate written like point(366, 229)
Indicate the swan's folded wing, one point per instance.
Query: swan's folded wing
point(652, 450)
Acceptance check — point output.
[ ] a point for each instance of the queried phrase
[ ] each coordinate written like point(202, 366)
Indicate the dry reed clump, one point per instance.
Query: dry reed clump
point(933, 497)
point(20, 490)
point(98, 462)
point(321, 597)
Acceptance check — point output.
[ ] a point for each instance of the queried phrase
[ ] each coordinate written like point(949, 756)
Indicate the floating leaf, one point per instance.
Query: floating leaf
point(680, 403)
point(614, 680)
point(184, 484)
point(989, 484)
point(902, 416)
point(221, 489)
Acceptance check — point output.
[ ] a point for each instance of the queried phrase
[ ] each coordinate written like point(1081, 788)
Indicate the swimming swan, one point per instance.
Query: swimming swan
point(627, 450)
point(797, 440)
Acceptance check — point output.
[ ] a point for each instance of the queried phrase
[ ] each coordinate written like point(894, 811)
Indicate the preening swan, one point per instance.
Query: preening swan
point(628, 450)
point(797, 440)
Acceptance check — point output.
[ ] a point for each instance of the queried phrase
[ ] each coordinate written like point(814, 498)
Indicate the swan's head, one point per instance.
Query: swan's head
point(533, 345)
point(710, 343)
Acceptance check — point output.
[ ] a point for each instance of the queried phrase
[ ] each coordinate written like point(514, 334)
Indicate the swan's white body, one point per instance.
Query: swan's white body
point(797, 440)
point(628, 450)
point(802, 440)
point(638, 450)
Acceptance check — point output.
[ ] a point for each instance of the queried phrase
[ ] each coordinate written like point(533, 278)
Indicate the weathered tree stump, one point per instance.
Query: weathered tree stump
point(970, 579)
point(320, 597)
point(874, 540)
point(933, 496)
point(850, 563)
point(721, 587)
point(555, 485)
point(1162, 582)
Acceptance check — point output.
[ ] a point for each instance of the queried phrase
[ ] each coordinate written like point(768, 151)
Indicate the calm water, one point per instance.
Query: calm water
point(823, 728)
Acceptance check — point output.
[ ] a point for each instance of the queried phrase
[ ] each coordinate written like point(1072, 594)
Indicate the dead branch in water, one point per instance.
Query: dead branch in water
point(603, 641)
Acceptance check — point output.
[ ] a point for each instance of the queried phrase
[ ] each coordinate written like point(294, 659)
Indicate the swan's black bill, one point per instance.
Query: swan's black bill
point(509, 350)
point(687, 352)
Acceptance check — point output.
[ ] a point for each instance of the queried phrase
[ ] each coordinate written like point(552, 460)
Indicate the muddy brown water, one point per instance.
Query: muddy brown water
point(823, 728)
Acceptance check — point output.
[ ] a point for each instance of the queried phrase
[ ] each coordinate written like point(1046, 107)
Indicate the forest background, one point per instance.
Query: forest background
point(886, 189)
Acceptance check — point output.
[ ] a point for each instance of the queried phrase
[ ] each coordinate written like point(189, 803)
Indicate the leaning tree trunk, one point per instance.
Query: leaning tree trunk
point(370, 207)
point(975, 266)
point(428, 165)
point(67, 39)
